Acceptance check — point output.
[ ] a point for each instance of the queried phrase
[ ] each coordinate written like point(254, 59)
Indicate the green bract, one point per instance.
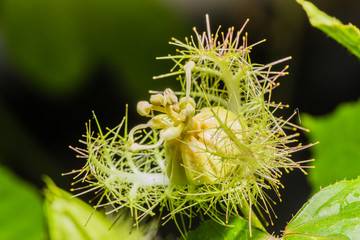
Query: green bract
point(211, 147)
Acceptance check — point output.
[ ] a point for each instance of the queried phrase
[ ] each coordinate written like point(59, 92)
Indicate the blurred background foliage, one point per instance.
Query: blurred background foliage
point(61, 59)
point(338, 154)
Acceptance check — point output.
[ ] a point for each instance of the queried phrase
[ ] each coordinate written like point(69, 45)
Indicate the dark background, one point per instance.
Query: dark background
point(61, 59)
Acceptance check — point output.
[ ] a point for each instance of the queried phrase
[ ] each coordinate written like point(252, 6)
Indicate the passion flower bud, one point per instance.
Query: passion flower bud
point(214, 151)
point(198, 155)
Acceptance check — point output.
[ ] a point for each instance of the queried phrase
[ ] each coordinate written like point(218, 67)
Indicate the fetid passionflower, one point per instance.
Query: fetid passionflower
point(212, 147)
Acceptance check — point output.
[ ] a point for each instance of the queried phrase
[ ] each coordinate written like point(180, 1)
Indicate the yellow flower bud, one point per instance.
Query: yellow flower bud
point(197, 156)
point(219, 143)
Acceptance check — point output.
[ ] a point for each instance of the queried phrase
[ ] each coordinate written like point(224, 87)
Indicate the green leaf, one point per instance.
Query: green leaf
point(214, 231)
point(337, 156)
point(71, 218)
point(21, 212)
point(347, 35)
point(333, 213)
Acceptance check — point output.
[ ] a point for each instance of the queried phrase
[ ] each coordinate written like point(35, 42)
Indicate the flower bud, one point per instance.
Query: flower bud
point(202, 154)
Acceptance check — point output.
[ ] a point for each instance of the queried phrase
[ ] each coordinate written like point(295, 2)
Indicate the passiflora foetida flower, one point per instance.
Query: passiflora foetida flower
point(212, 147)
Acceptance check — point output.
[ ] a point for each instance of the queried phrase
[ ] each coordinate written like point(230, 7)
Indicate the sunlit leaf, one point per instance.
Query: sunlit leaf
point(333, 213)
point(347, 35)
